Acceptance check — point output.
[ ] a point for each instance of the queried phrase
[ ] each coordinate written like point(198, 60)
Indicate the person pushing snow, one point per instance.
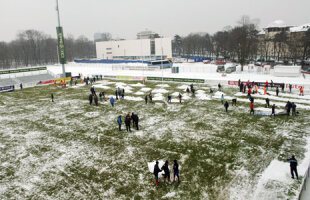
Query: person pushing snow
point(156, 171)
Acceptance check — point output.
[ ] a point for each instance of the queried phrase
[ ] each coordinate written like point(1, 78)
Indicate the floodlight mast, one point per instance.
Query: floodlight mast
point(63, 65)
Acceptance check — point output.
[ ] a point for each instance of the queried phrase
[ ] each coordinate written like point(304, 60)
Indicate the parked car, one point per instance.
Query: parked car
point(231, 69)
point(220, 68)
point(206, 61)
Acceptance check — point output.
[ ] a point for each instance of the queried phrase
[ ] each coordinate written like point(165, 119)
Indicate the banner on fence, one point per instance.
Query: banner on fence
point(293, 86)
point(176, 79)
point(124, 77)
point(107, 76)
point(63, 79)
point(232, 82)
point(46, 82)
point(23, 70)
point(261, 84)
point(7, 88)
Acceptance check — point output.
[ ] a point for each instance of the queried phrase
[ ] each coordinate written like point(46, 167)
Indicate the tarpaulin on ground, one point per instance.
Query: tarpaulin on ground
point(7, 88)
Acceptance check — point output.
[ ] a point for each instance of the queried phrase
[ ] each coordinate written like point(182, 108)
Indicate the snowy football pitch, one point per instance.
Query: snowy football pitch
point(71, 150)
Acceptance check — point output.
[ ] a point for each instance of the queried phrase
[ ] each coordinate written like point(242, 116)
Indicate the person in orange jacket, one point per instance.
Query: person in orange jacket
point(265, 90)
point(252, 108)
point(301, 91)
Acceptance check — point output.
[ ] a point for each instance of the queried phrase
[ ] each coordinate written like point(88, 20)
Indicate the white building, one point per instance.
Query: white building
point(146, 49)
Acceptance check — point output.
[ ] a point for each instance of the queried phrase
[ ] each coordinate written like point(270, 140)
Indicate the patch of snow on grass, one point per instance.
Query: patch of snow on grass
point(169, 195)
point(160, 91)
point(163, 85)
point(145, 89)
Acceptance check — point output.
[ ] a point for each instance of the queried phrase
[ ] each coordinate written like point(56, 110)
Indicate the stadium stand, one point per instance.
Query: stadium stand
point(34, 78)
point(7, 82)
point(26, 79)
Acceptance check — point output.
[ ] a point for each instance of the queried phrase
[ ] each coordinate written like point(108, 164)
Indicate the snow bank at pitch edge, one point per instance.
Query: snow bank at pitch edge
point(280, 172)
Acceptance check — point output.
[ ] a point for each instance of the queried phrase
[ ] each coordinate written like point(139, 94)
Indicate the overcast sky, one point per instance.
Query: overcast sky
point(124, 18)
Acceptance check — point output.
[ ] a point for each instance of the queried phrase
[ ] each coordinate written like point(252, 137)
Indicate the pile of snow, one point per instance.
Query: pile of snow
point(145, 89)
point(130, 98)
point(168, 195)
point(158, 97)
point(183, 87)
point(139, 93)
point(137, 85)
point(102, 86)
point(163, 85)
point(160, 91)
point(200, 94)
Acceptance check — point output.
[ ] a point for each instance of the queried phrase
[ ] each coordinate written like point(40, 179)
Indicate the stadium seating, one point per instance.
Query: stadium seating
point(25, 79)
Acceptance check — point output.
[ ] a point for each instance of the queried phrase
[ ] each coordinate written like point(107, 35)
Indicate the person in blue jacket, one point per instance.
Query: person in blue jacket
point(293, 165)
point(112, 100)
point(119, 121)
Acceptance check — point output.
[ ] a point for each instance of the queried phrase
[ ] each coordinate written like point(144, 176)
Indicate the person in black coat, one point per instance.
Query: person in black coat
point(267, 102)
point(288, 107)
point(234, 102)
point(165, 167)
point(180, 98)
point(52, 97)
point(176, 170)
point(241, 87)
point(135, 120)
point(145, 98)
point(293, 165)
point(277, 91)
point(273, 110)
point(293, 109)
point(226, 105)
point(92, 89)
point(116, 95)
point(187, 90)
point(151, 97)
point(96, 100)
point(90, 97)
point(127, 122)
point(156, 171)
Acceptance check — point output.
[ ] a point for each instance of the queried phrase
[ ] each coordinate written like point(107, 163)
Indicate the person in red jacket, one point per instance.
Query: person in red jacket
point(252, 108)
point(249, 91)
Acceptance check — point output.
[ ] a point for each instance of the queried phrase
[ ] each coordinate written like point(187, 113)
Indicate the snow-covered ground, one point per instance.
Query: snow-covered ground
point(81, 138)
point(187, 70)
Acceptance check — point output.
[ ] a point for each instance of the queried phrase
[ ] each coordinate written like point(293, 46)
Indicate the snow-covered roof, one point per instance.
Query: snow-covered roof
point(277, 24)
point(262, 32)
point(301, 28)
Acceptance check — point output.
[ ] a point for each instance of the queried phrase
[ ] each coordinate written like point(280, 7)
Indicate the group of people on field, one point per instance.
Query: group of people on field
point(135, 121)
point(166, 170)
